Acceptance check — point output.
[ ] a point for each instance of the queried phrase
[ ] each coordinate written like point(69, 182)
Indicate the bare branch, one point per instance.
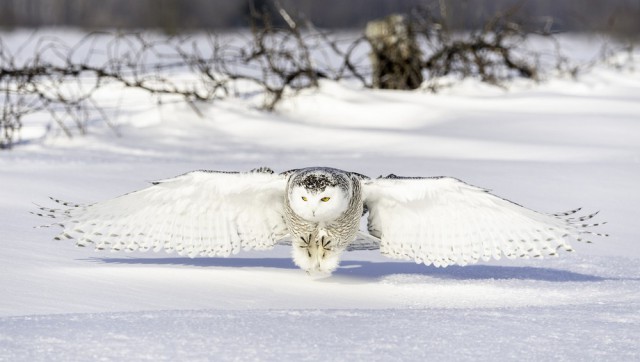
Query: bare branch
point(63, 80)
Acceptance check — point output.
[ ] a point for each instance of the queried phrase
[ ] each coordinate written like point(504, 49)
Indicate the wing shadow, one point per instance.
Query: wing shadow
point(470, 272)
point(369, 270)
point(277, 263)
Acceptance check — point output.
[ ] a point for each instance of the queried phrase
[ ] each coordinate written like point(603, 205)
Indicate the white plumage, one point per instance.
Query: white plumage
point(443, 221)
point(440, 220)
point(199, 213)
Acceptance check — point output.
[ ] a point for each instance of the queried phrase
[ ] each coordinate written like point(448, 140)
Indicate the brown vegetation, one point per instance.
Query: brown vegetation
point(279, 56)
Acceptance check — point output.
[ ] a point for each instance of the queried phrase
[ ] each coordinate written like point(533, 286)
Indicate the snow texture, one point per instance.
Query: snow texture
point(550, 146)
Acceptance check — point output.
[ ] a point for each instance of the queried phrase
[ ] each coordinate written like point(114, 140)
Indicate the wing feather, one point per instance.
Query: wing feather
point(444, 221)
point(198, 213)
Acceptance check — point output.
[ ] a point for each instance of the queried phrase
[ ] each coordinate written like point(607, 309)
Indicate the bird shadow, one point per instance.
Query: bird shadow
point(373, 270)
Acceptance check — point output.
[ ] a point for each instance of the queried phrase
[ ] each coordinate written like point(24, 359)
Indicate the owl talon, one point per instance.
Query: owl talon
point(325, 246)
point(306, 242)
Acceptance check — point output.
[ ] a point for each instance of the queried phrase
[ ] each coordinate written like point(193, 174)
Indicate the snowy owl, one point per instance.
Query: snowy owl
point(431, 220)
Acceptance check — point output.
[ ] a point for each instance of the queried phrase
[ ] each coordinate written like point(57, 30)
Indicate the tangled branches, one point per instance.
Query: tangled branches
point(490, 53)
point(62, 81)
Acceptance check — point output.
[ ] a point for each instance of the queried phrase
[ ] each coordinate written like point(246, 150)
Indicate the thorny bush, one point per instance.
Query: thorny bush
point(61, 81)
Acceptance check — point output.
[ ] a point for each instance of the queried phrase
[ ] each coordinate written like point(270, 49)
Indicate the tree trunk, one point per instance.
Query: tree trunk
point(395, 55)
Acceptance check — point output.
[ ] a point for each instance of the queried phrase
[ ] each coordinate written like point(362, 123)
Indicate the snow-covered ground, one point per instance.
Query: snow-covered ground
point(551, 146)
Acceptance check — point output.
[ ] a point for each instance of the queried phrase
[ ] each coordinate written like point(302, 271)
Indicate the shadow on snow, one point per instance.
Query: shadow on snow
point(374, 270)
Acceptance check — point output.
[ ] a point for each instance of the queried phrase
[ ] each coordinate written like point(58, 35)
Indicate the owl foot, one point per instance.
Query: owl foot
point(325, 244)
point(306, 244)
point(316, 256)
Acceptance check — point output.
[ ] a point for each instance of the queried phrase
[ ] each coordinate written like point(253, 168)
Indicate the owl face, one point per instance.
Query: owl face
point(318, 205)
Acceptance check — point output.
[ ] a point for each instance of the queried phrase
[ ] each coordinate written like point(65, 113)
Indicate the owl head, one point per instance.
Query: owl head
point(319, 195)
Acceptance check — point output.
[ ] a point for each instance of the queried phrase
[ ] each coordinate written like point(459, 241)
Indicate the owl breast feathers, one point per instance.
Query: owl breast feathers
point(431, 220)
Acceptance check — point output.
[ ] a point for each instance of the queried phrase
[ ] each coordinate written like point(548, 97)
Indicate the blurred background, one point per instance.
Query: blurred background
point(617, 17)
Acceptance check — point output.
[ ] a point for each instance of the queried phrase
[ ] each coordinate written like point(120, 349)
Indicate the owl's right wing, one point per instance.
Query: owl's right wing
point(199, 213)
point(444, 221)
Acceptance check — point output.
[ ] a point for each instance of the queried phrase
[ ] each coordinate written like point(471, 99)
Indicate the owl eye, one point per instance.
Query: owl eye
point(325, 199)
point(304, 198)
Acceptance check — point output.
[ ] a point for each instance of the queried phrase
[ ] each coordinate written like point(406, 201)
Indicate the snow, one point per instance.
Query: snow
point(551, 146)
point(551, 333)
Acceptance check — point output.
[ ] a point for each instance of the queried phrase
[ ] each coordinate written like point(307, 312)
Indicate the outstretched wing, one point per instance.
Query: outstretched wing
point(444, 221)
point(199, 213)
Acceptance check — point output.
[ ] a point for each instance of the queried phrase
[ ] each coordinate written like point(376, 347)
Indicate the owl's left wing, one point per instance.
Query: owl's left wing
point(444, 221)
point(199, 213)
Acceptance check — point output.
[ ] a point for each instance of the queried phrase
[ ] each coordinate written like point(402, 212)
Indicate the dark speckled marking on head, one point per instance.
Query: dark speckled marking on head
point(318, 179)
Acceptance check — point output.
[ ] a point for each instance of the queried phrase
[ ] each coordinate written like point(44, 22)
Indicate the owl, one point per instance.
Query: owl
point(317, 211)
